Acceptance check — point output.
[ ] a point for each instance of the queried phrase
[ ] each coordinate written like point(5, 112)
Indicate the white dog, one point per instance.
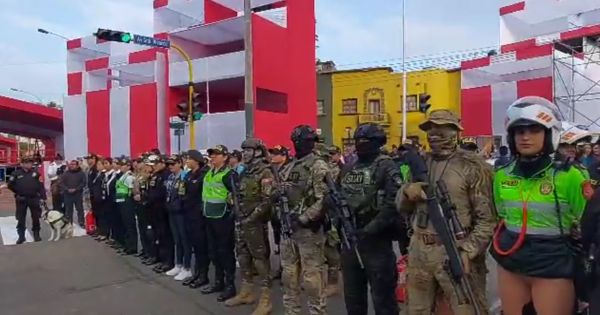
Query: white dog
point(60, 226)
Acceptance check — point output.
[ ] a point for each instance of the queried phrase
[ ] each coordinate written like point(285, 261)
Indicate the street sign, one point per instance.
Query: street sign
point(177, 125)
point(179, 132)
point(151, 41)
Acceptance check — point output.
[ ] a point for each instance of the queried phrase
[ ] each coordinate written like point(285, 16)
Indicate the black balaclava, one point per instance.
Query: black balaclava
point(304, 147)
point(367, 149)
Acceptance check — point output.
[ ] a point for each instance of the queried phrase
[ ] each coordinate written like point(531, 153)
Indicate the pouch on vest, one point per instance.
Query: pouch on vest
point(214, 210)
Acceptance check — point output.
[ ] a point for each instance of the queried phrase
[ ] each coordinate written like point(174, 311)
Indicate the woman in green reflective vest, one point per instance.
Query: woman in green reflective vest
point(124, 199)
point(539, 203)
point(217, 187)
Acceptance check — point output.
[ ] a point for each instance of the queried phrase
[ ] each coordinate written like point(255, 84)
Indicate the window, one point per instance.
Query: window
point(349, 106)
point(374, 106)
point(320, 108)
point(411, 103)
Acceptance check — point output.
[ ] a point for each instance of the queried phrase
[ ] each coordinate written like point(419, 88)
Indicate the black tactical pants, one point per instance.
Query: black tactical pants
point(195, 226)
point(221, 238)
point(33, 204)
point(166, 246)
point(151, 214)
point(142, 224)
point(379, 272)
point(99, 210)
point(127, 211)
point(115, 222)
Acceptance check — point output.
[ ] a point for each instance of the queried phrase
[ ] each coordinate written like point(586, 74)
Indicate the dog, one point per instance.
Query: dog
point(59, 225)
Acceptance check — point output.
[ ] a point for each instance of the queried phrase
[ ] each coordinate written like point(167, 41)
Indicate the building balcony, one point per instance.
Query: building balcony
point(382, 119)
point(226, 66)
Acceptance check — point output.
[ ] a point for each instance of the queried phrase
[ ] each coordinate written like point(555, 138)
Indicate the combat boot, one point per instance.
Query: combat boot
point(36, 236)
point(332, 283)
point(244, 297)
point(264, 303)
point(201, 280)
point(21, 239)
point(229, 290)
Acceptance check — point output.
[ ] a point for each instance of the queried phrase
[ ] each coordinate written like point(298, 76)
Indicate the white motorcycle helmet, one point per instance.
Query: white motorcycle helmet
point(534, 110)
point(572, 134)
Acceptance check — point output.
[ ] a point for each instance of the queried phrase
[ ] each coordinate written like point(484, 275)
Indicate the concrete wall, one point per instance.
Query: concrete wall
point(325, 95)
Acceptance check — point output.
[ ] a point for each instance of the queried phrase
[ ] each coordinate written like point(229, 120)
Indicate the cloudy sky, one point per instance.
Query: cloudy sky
point(353, 33)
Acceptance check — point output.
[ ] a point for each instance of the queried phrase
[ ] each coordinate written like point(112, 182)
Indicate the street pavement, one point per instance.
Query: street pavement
point(82, 276)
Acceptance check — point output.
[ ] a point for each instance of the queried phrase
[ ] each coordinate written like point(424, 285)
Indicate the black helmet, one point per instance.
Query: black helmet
point(303, 133)
point(370, 131)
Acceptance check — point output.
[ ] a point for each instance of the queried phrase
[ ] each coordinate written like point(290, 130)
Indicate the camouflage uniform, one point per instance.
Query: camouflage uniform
point(332, 241)
point(469, 181)
point(252, 243)
point(303, 251)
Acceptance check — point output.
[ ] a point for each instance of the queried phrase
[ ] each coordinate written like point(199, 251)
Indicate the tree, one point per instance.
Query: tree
point(52, 105)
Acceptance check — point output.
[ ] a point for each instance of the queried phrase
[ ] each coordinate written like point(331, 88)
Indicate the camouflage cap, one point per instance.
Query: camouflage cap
point(218, 149)
point(322, 150)
point(441, 117)
point(279, 150)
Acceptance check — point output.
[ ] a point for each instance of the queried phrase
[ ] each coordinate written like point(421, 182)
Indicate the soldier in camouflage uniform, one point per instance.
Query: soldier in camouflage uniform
point(332, 241)
point(469, 181)
point(252, 243)
point(370, 186)
point(302, 251)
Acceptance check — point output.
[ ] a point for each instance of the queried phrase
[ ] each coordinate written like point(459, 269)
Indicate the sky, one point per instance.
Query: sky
point(353, 33)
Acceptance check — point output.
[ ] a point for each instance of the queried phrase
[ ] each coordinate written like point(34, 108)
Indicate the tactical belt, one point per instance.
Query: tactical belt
point(434, 239)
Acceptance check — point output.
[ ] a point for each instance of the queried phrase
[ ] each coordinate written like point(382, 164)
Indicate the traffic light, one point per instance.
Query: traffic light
point(424, 102)
point(183, 110)
point(197, 100)
point(113, 36)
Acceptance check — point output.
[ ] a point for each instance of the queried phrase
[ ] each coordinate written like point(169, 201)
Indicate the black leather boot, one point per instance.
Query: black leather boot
point(21, 239)
point(218, 286)
point(229, 290)
point(201, 280)
point(36, 236)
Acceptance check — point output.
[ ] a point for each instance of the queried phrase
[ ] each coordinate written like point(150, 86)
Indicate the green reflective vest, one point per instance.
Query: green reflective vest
point(214, 193)
point(540, 193)
point(405, 171)
point(122, 190)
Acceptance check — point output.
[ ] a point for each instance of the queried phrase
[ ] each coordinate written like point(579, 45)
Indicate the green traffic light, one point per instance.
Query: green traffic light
point(197, 116)
point(126, 37)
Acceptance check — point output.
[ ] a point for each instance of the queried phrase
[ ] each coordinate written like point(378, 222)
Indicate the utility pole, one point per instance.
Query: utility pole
point(404, 89)
point(248, 82)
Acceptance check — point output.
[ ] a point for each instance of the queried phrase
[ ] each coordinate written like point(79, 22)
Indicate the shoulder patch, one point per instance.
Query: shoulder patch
point(587, 189)
point(546, 187)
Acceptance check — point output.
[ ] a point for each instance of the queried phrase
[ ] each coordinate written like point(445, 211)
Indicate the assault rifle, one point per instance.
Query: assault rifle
point(346, 227)
point(283, 206)
point(439, 212)
point(235, 197)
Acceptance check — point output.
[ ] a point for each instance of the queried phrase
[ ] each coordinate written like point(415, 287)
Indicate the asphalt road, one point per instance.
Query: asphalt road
point(82, 276)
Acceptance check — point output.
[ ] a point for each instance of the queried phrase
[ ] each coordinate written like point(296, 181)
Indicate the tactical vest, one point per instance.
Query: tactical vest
point(361, 190)
point(250, 188)
point(299, 185)
point(553, 198)
point(214, 194)
point(122, 191)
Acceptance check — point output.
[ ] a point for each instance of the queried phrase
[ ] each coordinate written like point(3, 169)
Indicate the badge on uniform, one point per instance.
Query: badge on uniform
point(354, 178)
point(294, 176)
point(546, 188)
point(510, 183)
point(587, 189)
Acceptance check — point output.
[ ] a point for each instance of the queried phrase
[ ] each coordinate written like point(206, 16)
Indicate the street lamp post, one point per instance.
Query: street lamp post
point(43, 31)
point(28, 93)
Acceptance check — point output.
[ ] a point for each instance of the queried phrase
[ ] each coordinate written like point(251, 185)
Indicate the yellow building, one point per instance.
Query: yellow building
point(375, 95)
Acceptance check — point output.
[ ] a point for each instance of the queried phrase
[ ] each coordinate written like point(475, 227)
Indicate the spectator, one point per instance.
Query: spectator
point(596, 151)
point(72, 184)
point(586, 157)
point(55, 170)
point(503, 159)
point(349, 155)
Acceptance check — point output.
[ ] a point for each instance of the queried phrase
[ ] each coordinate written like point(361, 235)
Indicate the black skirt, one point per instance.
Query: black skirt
point(539, 256)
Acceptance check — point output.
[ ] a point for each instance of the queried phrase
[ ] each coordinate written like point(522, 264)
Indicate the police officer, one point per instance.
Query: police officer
point(252, 242)
point(195, 223)
point(590, 237)
point(142, 174)
point(540, 203)
point(158, 228)
point(468, 179)
point(124, 194)
point(29, 190)
point(217, 187)
point(370, 186)
point(302, 251)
